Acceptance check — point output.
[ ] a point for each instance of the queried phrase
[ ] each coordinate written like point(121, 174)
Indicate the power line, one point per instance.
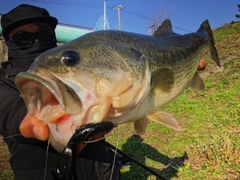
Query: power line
point(137, 14)
point(83, 4)
point(182, 29)
point(90, 5)
point(94, 5)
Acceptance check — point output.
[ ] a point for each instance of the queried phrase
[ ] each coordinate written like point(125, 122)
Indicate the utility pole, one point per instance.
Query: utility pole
point(119, 7)
point(151, 29)
point(104, 16)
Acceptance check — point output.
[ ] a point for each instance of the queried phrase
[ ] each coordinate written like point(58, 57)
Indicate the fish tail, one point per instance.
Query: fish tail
point(205, 27)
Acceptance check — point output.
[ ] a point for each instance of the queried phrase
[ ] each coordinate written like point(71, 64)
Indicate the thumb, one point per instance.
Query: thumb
point(31, 127)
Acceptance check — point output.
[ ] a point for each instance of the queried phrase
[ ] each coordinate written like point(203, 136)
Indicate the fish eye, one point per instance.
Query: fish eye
point(70, 58)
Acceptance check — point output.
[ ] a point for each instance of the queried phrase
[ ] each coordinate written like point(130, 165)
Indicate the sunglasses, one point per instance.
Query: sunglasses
point(25, 39)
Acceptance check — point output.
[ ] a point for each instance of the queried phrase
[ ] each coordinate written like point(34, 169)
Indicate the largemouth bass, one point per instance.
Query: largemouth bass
point(114, 76)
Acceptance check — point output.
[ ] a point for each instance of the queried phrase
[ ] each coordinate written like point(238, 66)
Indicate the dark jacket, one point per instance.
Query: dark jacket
point(2, 73)
point(30, 158)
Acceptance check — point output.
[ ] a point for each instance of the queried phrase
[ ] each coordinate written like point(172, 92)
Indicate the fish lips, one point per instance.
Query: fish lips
point(47, 92)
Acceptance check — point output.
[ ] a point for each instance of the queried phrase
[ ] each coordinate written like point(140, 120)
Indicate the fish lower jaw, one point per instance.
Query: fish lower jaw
point(60, 134)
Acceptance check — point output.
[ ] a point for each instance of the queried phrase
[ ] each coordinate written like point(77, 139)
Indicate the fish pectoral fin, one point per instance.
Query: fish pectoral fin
point(197, 83)
point(165, 119)
point(163, 79)
point(140, 126)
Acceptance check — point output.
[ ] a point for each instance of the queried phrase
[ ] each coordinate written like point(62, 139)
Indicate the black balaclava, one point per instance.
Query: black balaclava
point(21, 59)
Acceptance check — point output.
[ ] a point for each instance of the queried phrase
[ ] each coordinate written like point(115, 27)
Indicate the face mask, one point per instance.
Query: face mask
point(25, 57)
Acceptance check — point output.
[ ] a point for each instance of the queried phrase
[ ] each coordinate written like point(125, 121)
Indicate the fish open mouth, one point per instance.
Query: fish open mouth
point(45, 99)
point(56, 104)
point(42, 99)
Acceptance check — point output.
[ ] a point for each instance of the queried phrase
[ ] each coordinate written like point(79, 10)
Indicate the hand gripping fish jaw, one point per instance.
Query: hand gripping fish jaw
point(67, 163)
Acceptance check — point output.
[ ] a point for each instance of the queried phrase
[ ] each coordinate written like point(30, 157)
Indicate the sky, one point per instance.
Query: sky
point(136, 15)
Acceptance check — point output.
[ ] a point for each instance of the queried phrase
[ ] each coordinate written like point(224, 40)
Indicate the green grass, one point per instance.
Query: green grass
point(6, 174)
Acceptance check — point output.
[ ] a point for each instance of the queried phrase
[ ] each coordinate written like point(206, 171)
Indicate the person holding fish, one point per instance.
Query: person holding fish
point(29, 31)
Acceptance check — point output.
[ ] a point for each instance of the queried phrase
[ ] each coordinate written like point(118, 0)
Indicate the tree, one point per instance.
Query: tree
point(238, 15)
point(156, 20)
point(100, 24)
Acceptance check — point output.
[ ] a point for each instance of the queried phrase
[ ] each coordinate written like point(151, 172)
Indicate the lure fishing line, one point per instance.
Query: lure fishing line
point(7, 137)
point(46, 160)
point(115, 154)
point(93, 141)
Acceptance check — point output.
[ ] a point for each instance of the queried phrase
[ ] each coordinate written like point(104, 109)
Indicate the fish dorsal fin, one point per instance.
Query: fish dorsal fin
point(140, 126)
point(165, 119)
point(163, 79)
point(197, 83)
point(165, 28)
